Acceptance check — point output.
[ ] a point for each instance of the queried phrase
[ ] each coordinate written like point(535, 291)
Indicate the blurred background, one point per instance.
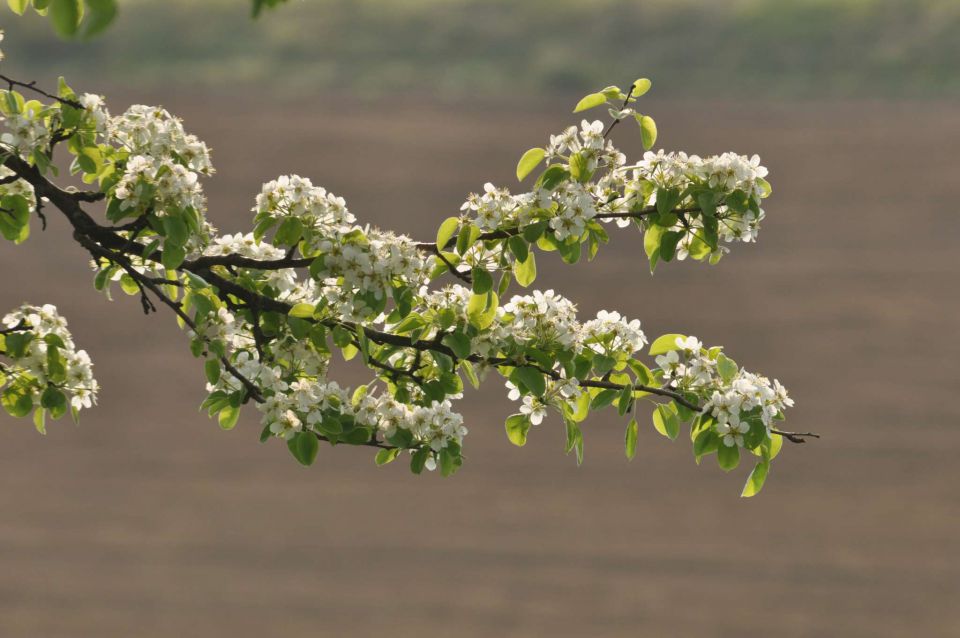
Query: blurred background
point(146, 520)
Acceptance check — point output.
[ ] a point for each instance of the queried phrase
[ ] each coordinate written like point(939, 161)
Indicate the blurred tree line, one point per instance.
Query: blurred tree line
point(459, 48)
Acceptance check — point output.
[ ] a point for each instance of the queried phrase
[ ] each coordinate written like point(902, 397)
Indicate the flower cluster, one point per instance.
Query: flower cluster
point(558, 392)
point(736, 181)
point(152, 131)
point(26, 130)
point(733, 395)
point(46, 370)
point(587, 142)
point(575, 206)
point(316, 405)
point(97, 113)
point(290, 196)
point(158, 169)
point(496, 207)
point(544, 319)
point(611, 334)
point(371, 262)
point(150, 184)
point(283, 280)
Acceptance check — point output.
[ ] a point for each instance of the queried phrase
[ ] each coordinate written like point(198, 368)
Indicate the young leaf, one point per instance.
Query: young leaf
point(648, 132)
point(756, 479)
point(666, 422)
point(525, 272)
point(18, 6)
point(446, 231)
point(631, 439)
point(387, 456)
point(666, 343)
point(530, 160)
point(640, 87)
point(726, 367)
point(302, 311)
point(517, 426)
point(229, 416)
point(728, 457)
point(590, 101)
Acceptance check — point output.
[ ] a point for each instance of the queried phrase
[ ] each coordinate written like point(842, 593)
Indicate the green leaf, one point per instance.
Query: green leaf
point(706, 442)
point(519, 247)
point(468, 235)
point(728, 457)
point(100, 13)
point(549, 180)
point(529, 378)
point(765, 187)
point(228, 417)
point(517, 426)
point(65, 16)
point(304, 446)
point(726, 367)
point(289, 232)
point(212, 369)
point(648, 131)
point(40, 420)
point(302, 311)
point(756, 479)
point(666, 422)
point(625, 401)
point(175, 230)
point(640, 87)
point(482, 309)
point(459, 343)
point(387, 456)
point(530, 160)
point(18, 6)
point(173, 256)
point(631, 439)
point(128, 284)
point(666, 343)
point(419, 460)
point(707, 202)
point(668, 244)
point(341, 336)
point(525, 272)
point(579, 168)
point(449, 461)
point(590, 101)
point(446, 231)
point(667, 200)
point(52, 399)
point(17, 401)
point(651, 244)
point(482, 280)
point(603, 399)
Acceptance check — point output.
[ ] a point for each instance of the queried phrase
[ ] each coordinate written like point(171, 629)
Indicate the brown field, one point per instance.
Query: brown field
point(148, 521)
